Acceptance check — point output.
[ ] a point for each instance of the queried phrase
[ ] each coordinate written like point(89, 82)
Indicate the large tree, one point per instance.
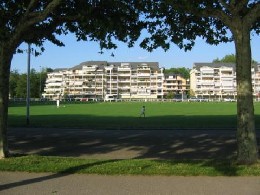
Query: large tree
point(34, 21)
point(181, 21)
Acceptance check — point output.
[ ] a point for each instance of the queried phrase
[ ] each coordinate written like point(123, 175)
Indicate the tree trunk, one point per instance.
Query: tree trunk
point(5, 61)
point(246, 135)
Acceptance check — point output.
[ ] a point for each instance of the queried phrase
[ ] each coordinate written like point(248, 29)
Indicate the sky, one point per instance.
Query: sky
point(75, 53)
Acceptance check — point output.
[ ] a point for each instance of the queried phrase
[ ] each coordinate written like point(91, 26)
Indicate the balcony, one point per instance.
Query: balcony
point(124, 81)
point(112, 81)
point(124, 74)
point(53, 80)
point(54, 85)
point(124, 87)
point(143, 74)
point(207, 75)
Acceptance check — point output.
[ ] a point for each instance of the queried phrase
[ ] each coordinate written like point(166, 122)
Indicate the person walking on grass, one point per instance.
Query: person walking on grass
point(142, 112)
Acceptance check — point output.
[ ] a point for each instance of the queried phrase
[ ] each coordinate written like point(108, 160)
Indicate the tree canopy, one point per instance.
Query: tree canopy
point(166, 21)
point(182, 21)
point(35, 21)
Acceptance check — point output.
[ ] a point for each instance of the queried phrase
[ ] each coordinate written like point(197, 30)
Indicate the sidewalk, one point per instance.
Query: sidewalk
point(41, 184)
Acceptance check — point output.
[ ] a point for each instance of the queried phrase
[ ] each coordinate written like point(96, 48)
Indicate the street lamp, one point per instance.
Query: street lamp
point(40, 83)
point(28, 86)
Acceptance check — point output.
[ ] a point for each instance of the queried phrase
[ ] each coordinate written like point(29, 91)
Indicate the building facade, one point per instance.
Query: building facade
point(177, 85)
point(218, 80)
point(123, 80)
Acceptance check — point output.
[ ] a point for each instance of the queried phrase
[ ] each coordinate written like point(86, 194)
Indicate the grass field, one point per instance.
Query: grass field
point(120, 115)
point(63, 165)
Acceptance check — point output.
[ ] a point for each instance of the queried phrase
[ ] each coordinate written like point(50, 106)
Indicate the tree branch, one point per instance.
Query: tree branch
point(253, 15)
point(33, 18)
point(31, 6)
point(217, 14)
point(37, 17)
point(224, 4)
point(237, 7)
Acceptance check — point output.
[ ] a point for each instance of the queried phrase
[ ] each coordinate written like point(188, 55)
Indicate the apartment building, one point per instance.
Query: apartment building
point(218, 80)
point(176, 84)
point(97, 79)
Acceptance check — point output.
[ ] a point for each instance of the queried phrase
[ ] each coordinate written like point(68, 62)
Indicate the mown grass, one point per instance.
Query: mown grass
point(126, 115)
point(121, 115)
point(128, 167)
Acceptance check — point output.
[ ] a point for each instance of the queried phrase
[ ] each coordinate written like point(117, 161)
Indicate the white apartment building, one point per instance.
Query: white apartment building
point(218, 80)
point(176, 84)
point(96, 79)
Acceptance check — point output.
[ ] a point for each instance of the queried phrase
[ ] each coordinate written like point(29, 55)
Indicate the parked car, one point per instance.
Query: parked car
point(109, 98)
point(229, 100)
point(177, 100)
point(203, 100)
point(193, 99)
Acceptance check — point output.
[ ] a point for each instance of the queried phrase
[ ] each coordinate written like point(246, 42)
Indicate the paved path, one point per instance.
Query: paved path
point(31, 183)
point(124, 144)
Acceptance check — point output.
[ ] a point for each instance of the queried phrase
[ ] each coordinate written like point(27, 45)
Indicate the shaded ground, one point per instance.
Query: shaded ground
point(124, 144)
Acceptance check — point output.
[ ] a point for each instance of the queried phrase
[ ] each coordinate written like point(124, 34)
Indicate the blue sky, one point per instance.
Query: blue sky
point(76, 52)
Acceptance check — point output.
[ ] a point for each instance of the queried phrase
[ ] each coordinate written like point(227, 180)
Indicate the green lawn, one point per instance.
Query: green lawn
point(119, 115)
point(126, 115)
point(128, 167)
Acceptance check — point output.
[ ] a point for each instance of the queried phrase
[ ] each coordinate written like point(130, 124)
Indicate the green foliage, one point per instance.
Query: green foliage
point(181, 22)
point(21, 86)
point(170, 95)
point(64, 165)
point(88, 20)
point(184, 72)
point(229, 59)
point(18, 84)
point(13, 81)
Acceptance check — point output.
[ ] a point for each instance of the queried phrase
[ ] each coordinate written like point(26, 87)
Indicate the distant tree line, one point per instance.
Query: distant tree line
point(18, 83)
point(184, 72)
point(231, 58)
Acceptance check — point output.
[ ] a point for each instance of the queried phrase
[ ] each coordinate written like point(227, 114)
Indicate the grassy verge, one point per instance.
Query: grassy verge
point(128, 167)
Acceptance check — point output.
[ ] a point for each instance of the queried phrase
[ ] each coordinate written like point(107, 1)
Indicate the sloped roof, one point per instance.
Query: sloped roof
point(101, 64)
point(59, 69)
point(213, 65)
point(197, 66)
point(98, 63)
point(134, 65)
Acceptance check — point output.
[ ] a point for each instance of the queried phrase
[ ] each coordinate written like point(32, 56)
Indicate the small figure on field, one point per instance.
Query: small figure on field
point(58, 103)
point(142, 112)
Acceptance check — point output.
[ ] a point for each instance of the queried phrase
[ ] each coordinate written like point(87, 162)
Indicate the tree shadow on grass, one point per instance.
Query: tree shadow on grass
point(158, 138)
point(124, 122)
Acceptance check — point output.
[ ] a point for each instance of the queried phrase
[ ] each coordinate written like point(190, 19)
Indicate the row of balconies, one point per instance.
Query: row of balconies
point(94, 77)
